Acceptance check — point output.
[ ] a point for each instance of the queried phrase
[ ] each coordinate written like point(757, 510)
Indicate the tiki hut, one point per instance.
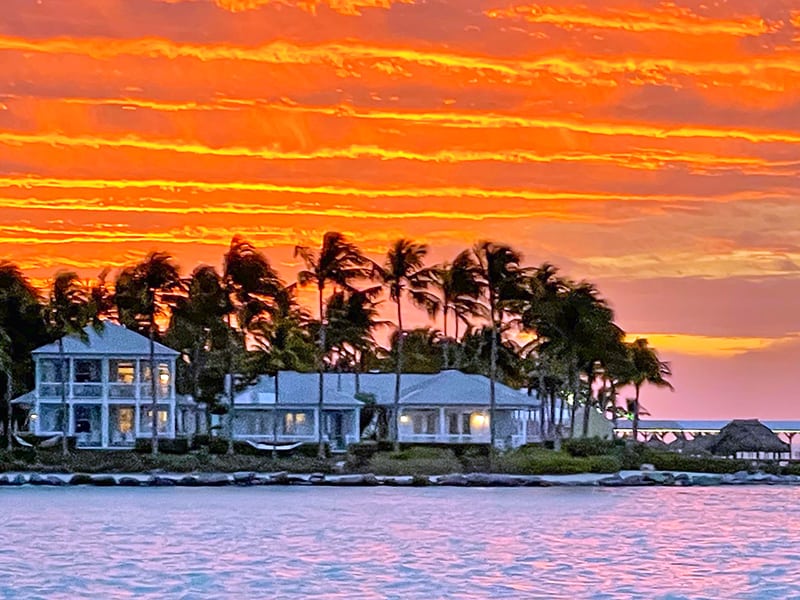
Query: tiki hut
point(700, 445)
point(750, 439)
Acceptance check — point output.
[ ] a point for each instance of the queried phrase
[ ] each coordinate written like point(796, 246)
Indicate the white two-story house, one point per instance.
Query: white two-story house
point(107, 379)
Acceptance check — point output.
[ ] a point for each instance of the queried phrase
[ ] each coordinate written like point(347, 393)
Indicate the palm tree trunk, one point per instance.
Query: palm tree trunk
point(446, 344)
point(64, 411)
point(542, 395)
point(575, 380)
point(635, 429)
point(322, 333)
point(153, 387)
point(492, 377)
point(587, 409)
point(231, 395)
point(9, 408)
point(398, 371)
point(275, 419)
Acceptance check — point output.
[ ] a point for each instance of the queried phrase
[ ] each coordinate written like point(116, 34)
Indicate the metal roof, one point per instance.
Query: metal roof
point(113, 340)
point(447, 388)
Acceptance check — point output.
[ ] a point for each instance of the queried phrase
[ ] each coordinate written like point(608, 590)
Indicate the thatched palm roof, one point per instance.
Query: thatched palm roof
point(698, 446)
point(747, 435)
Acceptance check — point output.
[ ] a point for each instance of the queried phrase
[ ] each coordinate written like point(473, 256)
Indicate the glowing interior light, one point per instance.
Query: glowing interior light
point(405, 419)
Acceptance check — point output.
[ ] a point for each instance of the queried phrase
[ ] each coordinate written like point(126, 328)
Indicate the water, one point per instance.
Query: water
point(399, 543)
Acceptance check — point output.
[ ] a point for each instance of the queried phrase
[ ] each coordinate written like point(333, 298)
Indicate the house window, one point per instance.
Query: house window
point(50, 417)
point(452, 423)
point(87, 371)
point(424, 423)
point(121, 371)
point(465, 424)
point(298, 423)
point(146, 419)
point(253, 422)
point(50, 370)
point(162, 383)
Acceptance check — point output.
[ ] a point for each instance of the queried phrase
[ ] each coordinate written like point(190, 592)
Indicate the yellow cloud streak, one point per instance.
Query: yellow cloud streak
point(352, 191)
point(667, 18)
point(642, 159)
point(343, 55)
point(473, 120)
point(712, 346)
point(160, 206)
point(350, 8)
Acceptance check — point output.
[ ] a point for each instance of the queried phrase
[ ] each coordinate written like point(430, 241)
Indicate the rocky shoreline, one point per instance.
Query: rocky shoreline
point(249, 478)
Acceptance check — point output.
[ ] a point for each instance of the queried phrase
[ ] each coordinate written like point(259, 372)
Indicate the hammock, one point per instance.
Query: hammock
point(271, 447)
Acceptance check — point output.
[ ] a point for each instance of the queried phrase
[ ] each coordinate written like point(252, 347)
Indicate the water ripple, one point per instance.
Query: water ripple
point(399, 543)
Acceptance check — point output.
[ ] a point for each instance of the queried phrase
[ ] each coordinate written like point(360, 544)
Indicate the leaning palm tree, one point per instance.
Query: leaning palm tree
point(143, 294)
point(459, 292)
point(339, 263)
point(7, 367)
point(500, 277)
point(66, 313)
point(21, 326)
point(404, 273)
point(250, 284)
point(647, 367)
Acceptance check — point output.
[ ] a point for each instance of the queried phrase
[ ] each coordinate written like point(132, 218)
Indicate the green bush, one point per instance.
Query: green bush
point(416, 460)
point(589, 446)
point(165, 445)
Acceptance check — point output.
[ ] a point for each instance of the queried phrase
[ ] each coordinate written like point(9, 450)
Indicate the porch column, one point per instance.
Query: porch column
point(136, 395)
point(524, 439)
point(442, 425)
point(104, 417)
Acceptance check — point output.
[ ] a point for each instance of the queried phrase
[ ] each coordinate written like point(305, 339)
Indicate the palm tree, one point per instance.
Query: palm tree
point(144, 292)
point(352, 321)
point(500, 277)
point(7, 366)
point(250, 283)
point(339, 263)
point(459, 290)
point(198, 330)
point(22, 327)
point(66, 313)
point(283, 342)
point(404, 273)
point(647, 368)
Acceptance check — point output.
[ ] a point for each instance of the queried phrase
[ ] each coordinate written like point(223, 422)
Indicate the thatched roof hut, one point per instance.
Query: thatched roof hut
point(700, 445)
point(749, 438)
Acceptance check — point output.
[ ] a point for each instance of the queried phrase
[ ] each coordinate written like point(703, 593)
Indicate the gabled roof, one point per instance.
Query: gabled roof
point(448, 388)
point(113, 340)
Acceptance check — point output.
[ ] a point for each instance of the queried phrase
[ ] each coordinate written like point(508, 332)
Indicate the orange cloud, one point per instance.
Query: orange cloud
point(665, 17)
point(351, 8)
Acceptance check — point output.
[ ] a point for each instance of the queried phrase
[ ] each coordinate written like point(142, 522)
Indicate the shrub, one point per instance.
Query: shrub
point(165, 445)
point(416, 460)
point(589, 446)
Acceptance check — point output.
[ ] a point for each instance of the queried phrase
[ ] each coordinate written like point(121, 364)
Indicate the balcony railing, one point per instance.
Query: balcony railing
point(122, 390)
point(87, 390)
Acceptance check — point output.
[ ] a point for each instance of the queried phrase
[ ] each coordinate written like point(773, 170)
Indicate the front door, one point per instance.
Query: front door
point(336, 431)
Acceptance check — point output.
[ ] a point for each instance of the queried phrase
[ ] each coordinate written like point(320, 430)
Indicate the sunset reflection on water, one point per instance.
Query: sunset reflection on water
point(401, 543)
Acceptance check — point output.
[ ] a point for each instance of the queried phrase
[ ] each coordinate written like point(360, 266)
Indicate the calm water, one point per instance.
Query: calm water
point(400, 543)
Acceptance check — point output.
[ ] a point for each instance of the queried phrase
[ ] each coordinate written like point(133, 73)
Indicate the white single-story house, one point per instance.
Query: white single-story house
point(294, 417)
point(107, 379)
point(450, 407)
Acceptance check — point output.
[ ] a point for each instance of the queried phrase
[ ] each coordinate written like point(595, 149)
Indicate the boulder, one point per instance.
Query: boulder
point(401, 481)
point(613, 481)
point(658, 477)
point(279, 478)
point(244, 477)
point(36, 479)
point(637, 480)
point(706, 480)
point(213, 479)
point(18, 479)
point(3, 480)
point(103, 480)
point(159, 481)
point(129, 482)
point(536, 482)
point(55, 480)
point(317, 478)
point(453, 479)
point(188, 481)
point(420, 480)
point(80, 479)
point(345, 480)
point(647, 467)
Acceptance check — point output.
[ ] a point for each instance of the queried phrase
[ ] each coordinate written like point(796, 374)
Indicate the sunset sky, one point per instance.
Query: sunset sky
point(651, 147)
